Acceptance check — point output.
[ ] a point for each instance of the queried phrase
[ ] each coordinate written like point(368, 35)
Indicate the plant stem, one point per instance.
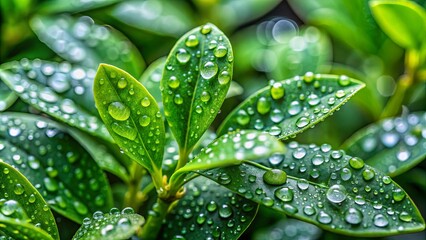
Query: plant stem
point(155, 220)
point(134, 196)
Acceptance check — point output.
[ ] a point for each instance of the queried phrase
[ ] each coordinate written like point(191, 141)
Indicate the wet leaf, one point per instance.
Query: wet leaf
point(7, 97)
point(403, 21)
point(151, 78)
point(112, 225)
point(326, 187)
point(23, 212)
point(131, 115)
point(86, 43)
point(169, 18)
point(393, 145)
point(209, 211)
point(195, 82)
point(291, 106)
point(58, 6)
point(60, 90)
point(288, 229)
point(60, 168)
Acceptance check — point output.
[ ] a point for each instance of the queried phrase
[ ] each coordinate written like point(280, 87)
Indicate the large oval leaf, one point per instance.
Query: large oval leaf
point(209, 211)
point(325, 187)
point(288, 229)
point(112, 225)
point(289, 107)
point(82, 41)
point(131, 115)
point(23, 212)
point(393, 145)
point(7, 97)
point(403, 21)
point(197, 76)
point(60, 90)
point(57, 165)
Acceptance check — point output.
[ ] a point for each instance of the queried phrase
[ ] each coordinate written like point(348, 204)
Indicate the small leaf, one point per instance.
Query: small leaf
point(326, 187)
point(169, 18)
point(7, 97)
point(23, 212)
point(60, 90)
point(393, 145)
point(288, 229)
point(151, 78)
point(58, 6)
point(195, 82)
point(209, 211)
point(82, 41)
point(131, 115)
point(403, 21)
point(112, 225)
point(64, 173)
point(291, 106)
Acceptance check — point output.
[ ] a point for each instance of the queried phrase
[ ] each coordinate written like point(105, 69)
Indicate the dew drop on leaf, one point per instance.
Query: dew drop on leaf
point(356, 163)
point(353, 216)
point(209, 70)
point(336, 193)
point(324, 218)
point(225, 211)
point(191, 41)
point(223, 77)
point(118, 111)
point(263, 105)
point(380, 220)
point(284, 194)
point(275, 177)
point(220, 51)
point(144, 120)
point(183, 56)
point(277, 91)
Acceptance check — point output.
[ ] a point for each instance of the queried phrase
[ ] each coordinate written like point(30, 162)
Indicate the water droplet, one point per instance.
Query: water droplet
point(294, 108)
point(242, 117)
point(403, 155)
point(201, 218)
point(313, 100)
point(302, 184)
point(182, 56)
point(224, 77)
point(390, 139)
point(32, 198)
point(324, 218)
point(317, 160)
point(118, 111)
point(267, 201)
point(299, 153)
point(263, 105)
point(144, 121)
point(344, 81)
point(277, 116)
point(68, 106)
point(14, 131)
point(209, 70)
point(145, 102)
point(336, 193)
point(205, 96)
point(19, 189)
point(191, 41)
point(125, 131)
point(368, 174)
point(353, 216)
point(275, 177)
point(80, 208)
point(211, 206)
point(50, 184)
point(225, 211)
point(308, 210)
point(206, 29)
point(340, 93)
point(220, 51)
point(277, 91)
point(173, 82)
point(380, 220)
point(285, 194)
point(302, 122)
point(398, 194)
point(308, 77)
point(9, 207)
point(178, 99)
point(356, 163)
point(345, 174)
point(406, 217)
point(48, 96)
point(122, 83)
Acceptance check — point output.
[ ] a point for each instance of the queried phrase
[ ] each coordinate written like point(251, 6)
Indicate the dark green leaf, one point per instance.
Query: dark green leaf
point(7, 96)
point(195, 82)
point(23, 212)
point(287, 108)
point(170, 18)
point(209, 211)
point(403, 21)
point(393, 145)
point(60, 90)
point(151, 78)
point(288, 229)
point(63, 172)
point(83, 42)
point(58, 6)
point(132, 116)
point(112, 225)
point(325, 187)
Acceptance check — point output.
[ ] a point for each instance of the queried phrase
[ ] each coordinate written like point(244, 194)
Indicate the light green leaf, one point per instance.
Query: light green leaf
point(60, 90)
point(288, 229)
point(169, 18)
point(23, 212)
point(151, 78)
point(195, 82)
point(403, 21)
point(63, 172)
point(291, 106)
point(82, 41)
point(131, 115)
point(393, 145)
point(326, 187)
point(7, 96)
point(209, 210)
point(112, 225)
point(58, 6)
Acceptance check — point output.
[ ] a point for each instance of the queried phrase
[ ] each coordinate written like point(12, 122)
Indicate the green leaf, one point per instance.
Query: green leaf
point(326, 187)
point(151, 78)
point(112, 225)
point(58, 6)
point(393, 145)
point(169, 18)
point(23, 212)
point(208, 211)
point(7, 97)
point(61, 169)
point(288, 229)
point(403, 21)
point(60, 90)
point(131, 115)
point(309, 51)
point(291, 106)
point(83, 42)
point(195, 82)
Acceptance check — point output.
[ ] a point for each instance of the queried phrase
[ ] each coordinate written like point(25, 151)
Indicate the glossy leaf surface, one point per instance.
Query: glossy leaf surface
point(325, 187)
point(209, 210)
point(112, 225)
point(7, 97)
point(195, 81)
point(291, 106)
point(403, 21)
point(86, 43)
point(170, 18)
point(393, 145)
point(60, 90)
point(57, 165)
point(151, 78)
point(57, 6)
point(22, 208)
point(131, 115)
point(288, 229)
